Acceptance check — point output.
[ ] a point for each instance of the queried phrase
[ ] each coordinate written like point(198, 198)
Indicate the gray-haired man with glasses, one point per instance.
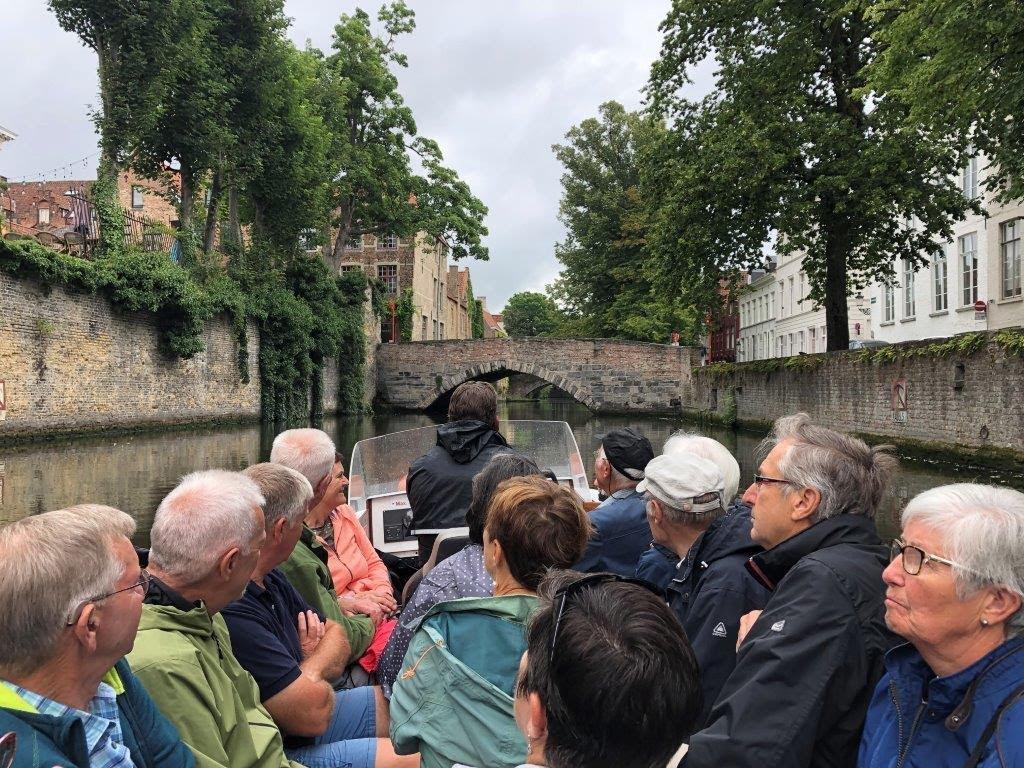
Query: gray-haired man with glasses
point(71, 594)
point(809, 662)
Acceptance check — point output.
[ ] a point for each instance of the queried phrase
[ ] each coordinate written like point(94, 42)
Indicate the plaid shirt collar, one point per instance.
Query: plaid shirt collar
point(103, 735)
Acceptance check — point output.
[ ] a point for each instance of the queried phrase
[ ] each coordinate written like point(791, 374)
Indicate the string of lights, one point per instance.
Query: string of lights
point(59, 173)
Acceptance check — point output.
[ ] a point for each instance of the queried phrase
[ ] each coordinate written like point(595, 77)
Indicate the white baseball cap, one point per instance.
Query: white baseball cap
point(678, 479)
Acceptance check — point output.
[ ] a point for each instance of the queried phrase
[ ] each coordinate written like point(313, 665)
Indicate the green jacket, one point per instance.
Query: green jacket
point(306, 570)
point(184, 660)
point(452, 702)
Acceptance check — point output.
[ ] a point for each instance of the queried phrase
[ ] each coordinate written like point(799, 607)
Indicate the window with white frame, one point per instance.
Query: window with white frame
point(44, 215)
point(800, 336)
point(812, 333)
point(967, 245)
point(940, 281)
point(354, 242)
point(909, 308)
point(889, 304)
point(387, 242)
point(1010, 250)
point(969, 179)
point(348, 268)
point(388, 274)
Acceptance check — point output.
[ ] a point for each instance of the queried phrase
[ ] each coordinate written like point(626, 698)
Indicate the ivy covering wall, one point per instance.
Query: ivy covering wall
point(305, 315)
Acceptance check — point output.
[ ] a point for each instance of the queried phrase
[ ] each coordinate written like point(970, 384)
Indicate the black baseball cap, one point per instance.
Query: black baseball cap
point(627, 451)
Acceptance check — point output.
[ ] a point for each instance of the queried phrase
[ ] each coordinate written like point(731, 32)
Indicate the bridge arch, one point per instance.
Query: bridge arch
point(499, 369)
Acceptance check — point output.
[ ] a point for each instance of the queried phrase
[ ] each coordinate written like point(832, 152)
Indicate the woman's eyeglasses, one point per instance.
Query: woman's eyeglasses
point(914, 558)
point(143, 582)
point(566, 593)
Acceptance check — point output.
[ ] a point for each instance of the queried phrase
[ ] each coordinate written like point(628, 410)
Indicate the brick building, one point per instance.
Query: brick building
point(440, 298)
point(53, 208)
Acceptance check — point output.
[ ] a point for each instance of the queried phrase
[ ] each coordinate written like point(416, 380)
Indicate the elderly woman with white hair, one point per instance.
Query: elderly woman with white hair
point(954, 695)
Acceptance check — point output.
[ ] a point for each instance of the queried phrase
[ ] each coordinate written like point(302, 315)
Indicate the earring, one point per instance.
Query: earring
point(984, 622)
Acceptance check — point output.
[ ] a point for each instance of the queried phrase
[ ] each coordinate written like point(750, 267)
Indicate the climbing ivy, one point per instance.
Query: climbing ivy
point(305, 314)
point(405, 311)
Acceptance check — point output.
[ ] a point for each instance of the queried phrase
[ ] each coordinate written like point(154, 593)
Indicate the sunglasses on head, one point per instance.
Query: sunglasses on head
point(565, 594)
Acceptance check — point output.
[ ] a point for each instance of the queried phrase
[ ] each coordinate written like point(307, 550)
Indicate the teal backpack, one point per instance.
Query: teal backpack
point(452, 702)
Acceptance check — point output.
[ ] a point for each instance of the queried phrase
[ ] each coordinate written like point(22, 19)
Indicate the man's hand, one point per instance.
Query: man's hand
point(311, 631)
point(746, 622)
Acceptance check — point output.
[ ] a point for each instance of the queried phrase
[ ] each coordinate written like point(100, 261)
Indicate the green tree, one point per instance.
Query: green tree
point(959, 65)
point(789, 144)
point(373, 134)
point(605, 287)
point(476, 313)
point(530, 314)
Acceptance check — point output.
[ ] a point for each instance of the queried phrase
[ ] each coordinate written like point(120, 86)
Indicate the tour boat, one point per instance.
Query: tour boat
point(379, 467)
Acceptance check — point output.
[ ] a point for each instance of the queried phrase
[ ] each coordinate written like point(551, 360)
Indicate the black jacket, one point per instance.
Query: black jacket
point(440, 483)
point(711, 591)
point(806, 671)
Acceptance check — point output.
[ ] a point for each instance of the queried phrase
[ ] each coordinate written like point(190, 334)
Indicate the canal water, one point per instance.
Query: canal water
point(134, 472)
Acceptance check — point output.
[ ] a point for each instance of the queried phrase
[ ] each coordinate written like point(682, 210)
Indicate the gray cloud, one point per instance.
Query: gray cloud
point(495, 83)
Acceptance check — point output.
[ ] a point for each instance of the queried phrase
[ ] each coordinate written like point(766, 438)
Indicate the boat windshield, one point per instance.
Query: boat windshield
point(379, 465)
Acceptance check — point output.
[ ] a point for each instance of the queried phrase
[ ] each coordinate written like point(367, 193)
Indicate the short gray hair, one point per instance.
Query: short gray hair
point(205, 515)
point(286, 492)
point(982, 529)
point(685, 515)
point(49, 565)
point(705, 447)
point(308, 451)
point(850, 475)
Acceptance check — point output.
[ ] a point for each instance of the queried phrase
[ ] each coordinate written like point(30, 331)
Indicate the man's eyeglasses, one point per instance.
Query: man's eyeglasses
point(914, 558)
point(144, 579)
point(566, 593)
point(760, 480)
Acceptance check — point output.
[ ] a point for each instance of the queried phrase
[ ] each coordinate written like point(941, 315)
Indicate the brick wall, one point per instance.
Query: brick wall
point(70, 363)
point(959, 403)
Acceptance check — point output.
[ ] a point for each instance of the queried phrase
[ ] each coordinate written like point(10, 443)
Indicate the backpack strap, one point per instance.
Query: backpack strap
point(979, 749)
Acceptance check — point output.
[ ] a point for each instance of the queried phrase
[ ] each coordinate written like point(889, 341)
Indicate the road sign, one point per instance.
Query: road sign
point(980, 310)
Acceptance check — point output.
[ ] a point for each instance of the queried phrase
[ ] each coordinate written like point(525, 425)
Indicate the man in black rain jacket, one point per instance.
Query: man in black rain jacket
point(440, 483)
point(809, 663)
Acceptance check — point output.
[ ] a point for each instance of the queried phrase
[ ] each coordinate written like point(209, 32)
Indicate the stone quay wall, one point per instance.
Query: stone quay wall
point(607, 376)
point(70, 363)
point(971, 404)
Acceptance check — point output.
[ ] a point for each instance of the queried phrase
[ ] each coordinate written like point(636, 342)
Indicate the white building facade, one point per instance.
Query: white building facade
point(982, 263)
point(757, 318)
point(799, 325)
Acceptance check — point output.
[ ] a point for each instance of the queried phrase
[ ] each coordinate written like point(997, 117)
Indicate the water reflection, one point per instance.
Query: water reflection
point(134, 472)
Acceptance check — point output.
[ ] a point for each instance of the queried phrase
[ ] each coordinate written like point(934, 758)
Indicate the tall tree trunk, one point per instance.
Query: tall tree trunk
point(837, 249)
point(338, 251)
point(188, 191)
point(234, 231)
point(212, 209)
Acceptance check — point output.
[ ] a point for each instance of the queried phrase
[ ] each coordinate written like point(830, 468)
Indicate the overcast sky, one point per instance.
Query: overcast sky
point(496, 84)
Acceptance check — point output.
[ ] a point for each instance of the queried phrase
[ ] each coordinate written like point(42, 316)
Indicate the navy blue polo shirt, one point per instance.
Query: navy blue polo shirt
point(263, 624)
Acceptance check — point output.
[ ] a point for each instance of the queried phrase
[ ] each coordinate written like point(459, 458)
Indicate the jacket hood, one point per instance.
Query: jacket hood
point(195, 622)
point(769, 567)
point(464, 440)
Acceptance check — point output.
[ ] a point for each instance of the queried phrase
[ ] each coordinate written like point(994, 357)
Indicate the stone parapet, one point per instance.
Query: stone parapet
point(605, 375)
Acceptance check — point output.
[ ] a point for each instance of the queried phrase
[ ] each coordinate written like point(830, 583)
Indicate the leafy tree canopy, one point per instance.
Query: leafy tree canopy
point(788, 145)
point(530, 314)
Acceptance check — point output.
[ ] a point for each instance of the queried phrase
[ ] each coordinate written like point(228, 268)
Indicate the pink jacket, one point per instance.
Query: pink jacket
point(356, 567)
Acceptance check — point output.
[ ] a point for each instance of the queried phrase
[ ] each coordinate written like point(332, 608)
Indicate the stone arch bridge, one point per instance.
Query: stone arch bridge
point(605, 375)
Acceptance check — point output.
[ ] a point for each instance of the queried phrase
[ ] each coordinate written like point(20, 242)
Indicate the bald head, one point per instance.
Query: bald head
point(310, 452)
